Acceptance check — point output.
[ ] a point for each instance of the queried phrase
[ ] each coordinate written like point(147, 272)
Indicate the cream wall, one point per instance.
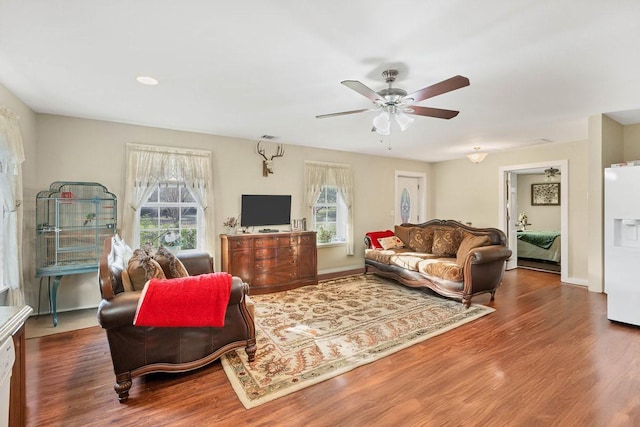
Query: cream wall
point(631, 142)
point(76, 149)
point(542, 218)
point(605, 147)
point(469, 192)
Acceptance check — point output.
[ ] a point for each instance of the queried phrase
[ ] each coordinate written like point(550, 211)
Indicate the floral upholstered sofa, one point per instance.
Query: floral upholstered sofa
point(450, 258)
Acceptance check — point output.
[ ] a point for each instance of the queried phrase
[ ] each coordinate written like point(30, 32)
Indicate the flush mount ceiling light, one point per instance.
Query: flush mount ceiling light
point(146, 80)
point(551, 173)
point(476, 156)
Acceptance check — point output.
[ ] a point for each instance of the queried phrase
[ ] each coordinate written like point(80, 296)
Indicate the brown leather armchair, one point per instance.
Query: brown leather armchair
point(138, 350)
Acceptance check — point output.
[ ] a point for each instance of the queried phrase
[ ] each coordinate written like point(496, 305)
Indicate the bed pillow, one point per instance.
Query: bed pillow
point(391, 242)
point(468, 243)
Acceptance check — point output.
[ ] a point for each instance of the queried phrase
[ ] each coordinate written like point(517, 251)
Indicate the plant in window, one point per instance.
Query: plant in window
point(171, 239)
point(324, 235)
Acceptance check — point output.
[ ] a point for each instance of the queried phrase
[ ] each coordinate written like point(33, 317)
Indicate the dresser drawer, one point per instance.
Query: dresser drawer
point(271, 264)
point(275, 252)
point(267, 242)
point(275, 277)
point(265, 253)
point(239, 243)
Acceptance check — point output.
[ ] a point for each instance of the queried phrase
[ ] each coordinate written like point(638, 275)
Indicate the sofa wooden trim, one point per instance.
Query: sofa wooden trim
point(482, 271)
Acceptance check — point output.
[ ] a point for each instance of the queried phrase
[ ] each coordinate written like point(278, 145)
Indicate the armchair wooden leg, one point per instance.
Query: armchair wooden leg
point(122, 386)
point(251, 349)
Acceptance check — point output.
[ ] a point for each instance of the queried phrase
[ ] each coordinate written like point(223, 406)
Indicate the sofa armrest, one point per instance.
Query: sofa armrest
point(121, 308)
point(197, 262)
point(486, 254)
point(367, 243)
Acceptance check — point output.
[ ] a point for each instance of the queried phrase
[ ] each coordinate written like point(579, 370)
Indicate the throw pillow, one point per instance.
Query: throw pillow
point(170, 264)
point(421, 239)
point(390, 242)
point(446, 242)
point(468, 243)
point(375, 235)
point(402, 232)
point(148, 249)
point(141, 268)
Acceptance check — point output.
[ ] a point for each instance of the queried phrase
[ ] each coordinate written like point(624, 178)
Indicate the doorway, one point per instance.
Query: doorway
point(410, 197)
point(508, 207)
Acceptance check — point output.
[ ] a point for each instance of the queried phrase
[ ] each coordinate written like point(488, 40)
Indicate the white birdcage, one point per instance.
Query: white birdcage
point(72, 221)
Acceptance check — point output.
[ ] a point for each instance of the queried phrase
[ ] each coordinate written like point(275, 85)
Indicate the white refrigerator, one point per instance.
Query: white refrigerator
point(622, 243)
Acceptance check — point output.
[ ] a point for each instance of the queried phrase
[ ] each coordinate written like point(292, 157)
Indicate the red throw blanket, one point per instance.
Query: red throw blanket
point(193, 301)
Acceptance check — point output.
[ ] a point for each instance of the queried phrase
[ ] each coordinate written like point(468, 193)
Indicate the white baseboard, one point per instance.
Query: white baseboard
point(47, 311)
point(576, 281)
point(339, 269)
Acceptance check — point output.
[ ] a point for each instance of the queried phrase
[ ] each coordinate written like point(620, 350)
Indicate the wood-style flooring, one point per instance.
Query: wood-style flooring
point(548, 356)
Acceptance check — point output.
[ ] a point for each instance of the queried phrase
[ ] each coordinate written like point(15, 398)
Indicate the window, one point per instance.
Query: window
point(173, 186)
point(171, 217)
point(330, 216)
point(322, 181)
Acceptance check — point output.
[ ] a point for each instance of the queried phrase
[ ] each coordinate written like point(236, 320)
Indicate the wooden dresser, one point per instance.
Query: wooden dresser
point(271, 262)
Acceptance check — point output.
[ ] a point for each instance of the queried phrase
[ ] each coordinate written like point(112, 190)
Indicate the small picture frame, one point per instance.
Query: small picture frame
point(547, 194)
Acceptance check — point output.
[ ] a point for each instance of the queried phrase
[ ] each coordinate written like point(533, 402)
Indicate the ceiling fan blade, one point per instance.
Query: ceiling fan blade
point(363, 90)
point(444, 86)
point(344, 113)
point(431, 112)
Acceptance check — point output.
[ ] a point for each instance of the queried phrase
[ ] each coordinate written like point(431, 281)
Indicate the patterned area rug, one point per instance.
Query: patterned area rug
point(313, 333)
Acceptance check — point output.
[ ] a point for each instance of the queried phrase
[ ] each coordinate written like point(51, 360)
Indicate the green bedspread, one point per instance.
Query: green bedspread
point(543, 239)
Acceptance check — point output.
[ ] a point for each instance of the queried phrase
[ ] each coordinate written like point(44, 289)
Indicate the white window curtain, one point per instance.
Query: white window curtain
point(147, 165)
point(11, 158)
point(318, 174)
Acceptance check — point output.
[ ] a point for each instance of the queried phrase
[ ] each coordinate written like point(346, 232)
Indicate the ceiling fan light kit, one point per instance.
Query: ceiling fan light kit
point(477, 156)
point(403, 120)
point(396, 103)
point(382, 124)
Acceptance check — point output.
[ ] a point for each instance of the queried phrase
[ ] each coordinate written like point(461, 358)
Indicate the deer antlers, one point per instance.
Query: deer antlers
point(267, 166)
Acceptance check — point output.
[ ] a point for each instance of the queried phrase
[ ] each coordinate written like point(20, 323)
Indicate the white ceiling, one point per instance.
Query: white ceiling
point(239, 68)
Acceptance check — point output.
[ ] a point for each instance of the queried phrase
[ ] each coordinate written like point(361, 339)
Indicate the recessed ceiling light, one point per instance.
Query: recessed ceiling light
point(146, 80)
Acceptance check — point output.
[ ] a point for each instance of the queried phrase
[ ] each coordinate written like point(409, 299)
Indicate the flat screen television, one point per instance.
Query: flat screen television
point(262, 209)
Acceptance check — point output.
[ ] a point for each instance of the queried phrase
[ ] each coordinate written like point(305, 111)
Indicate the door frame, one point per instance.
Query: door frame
point(422, 182)
point(563, 166)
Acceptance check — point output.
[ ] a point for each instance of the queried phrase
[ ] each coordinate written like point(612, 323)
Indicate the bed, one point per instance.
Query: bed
point(539, 245)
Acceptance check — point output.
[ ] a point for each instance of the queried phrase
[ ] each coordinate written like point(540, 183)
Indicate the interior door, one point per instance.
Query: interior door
point(512, 218)
point(408, 203)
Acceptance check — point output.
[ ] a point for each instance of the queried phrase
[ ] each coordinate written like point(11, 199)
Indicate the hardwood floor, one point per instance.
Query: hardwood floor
point(548, 356)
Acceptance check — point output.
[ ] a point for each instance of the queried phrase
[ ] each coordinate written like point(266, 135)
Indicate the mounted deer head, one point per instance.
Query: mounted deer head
point(267, 163)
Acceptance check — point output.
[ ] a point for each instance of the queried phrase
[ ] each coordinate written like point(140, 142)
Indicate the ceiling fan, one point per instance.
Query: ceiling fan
point(396, 103)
